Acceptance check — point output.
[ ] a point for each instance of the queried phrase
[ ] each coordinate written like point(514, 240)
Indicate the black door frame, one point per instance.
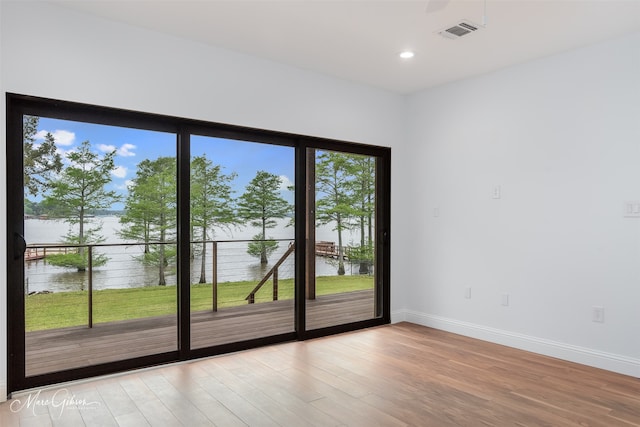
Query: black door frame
point(20, 105)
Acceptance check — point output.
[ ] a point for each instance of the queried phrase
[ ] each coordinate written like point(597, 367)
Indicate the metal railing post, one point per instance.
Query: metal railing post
point(214, 273)
point(251, 298)
point(90, 268)
point(275, 284)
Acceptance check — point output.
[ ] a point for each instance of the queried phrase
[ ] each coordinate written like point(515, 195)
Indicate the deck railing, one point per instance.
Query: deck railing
point(251, 298)
point(122, 266)
point(92, 251)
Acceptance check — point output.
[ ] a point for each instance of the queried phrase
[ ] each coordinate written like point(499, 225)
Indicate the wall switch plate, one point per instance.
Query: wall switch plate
point(598, 314)
point(467, 293)
point(497, 192)
point(436, 212)
point(505, 299)
point(631, 210)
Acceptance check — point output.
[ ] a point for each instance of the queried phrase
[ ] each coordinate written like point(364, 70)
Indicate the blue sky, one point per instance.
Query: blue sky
point(133, 146)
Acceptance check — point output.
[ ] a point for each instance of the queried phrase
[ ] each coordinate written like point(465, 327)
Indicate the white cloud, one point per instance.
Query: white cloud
point(106, 148)
point(125, 150)
point(285, 183)
point(119, 172)
point(62, 137)
point(126, 186)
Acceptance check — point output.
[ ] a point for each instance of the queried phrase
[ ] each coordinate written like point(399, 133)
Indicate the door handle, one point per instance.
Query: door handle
point(19, 246)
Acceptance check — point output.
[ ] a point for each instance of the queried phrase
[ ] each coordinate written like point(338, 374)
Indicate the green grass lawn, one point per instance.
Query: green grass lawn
point(63, 309)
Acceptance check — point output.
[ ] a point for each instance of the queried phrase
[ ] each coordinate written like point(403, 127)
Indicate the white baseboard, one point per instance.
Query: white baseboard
point(399, 316)
point(585, 356)
point(3, 391)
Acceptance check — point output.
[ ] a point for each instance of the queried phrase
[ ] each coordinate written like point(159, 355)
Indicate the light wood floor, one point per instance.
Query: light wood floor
point(393, 375)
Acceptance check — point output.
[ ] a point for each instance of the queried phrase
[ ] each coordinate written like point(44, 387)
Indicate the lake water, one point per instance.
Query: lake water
point(123, 270)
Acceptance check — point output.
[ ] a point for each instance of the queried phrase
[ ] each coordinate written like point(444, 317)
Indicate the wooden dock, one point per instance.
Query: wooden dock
point(59, 349)
point(38, 253)
point(329, 250)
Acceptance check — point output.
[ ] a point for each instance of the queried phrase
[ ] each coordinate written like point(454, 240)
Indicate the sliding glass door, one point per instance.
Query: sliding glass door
point(137, 239)
point(243, 251)
point(100, 232)
point(342, 228)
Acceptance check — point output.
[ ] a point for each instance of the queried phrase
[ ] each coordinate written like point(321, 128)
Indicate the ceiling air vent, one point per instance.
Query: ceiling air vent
point(460, 29)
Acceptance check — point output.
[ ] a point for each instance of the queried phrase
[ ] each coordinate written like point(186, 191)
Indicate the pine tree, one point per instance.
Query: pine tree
point(78, 190)
point(150, 212)
point(334, 201)
point(211, 203)
point(41, 161)
point(261, 204)
point(363, 189)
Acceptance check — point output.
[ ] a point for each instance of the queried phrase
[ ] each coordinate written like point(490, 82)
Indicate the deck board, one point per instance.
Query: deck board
point(67, 348)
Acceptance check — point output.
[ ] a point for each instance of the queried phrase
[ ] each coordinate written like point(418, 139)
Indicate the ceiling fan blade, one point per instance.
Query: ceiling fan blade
point(436, 5)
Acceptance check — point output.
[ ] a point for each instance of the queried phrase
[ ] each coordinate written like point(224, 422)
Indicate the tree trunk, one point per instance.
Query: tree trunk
point(370, 250)
point(147, 232)
point(364, 262)
point(81, 239)
point(162, 281)
point(203, 273)
point(341, 271)
point(263, 245)
point(192, 251)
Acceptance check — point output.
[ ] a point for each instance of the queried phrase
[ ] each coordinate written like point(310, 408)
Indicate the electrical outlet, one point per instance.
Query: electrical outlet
point(598, 314)
point(467, 293)
point(505, 299)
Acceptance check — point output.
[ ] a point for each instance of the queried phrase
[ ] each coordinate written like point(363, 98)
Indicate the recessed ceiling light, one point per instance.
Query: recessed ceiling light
point(407, 54)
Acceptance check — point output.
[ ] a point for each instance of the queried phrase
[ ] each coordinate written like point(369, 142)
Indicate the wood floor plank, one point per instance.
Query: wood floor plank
point(116, 399)
point(355, 411)
point(237, 404)
point(92, 408)
point(175, 401)
point(132, 419)
point(156, 414)
point(215, 411)
point(269, 381)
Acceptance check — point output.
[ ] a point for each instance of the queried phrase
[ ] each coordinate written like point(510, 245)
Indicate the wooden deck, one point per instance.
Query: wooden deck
point(60, 349)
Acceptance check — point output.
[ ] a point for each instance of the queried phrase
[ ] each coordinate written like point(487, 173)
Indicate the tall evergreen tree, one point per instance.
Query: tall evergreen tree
point(334, 202)
point(211, 203)
point(150, 212)
point(363, 188)
point(137, 216)
point(41, 161)
point(261, 204)
point(74, 194)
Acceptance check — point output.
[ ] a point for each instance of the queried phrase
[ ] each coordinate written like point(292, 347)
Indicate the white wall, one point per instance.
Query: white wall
point(561, 137)
point(50, 51)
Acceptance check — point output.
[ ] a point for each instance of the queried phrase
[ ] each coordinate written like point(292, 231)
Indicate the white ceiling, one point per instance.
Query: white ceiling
point(360, 40)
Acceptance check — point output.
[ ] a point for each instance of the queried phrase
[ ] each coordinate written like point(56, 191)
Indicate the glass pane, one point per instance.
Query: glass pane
point(100, 222)
point(342, 290)
point(242, 241)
